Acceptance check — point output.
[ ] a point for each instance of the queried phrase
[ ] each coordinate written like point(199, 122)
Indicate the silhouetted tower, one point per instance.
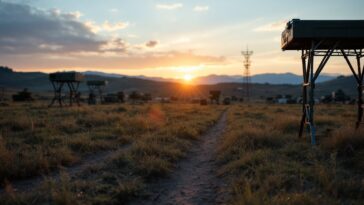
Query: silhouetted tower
point(247, 63)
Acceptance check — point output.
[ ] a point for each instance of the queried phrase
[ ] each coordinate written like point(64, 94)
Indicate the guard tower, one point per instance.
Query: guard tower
point(96, 88)
point(72, 80)
point(324, 39)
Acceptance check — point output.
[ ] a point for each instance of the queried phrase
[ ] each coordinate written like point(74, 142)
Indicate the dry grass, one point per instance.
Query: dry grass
point(260, 155)
point(159, 136)
point(40, 139)
point(266, 163)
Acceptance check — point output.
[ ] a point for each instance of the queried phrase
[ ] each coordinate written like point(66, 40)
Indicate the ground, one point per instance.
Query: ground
point(178, 154)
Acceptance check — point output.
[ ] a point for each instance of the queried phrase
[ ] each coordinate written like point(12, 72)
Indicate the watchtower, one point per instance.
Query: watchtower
point(325, 38)
point(72, 80)
point(96, 88)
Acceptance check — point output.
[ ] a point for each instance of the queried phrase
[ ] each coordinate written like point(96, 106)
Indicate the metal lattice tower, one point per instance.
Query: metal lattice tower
point(247, 63)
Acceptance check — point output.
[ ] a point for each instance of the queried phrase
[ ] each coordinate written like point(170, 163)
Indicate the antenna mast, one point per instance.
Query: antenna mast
point(247, 63)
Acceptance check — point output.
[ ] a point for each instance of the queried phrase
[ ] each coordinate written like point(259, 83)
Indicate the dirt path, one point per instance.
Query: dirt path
point(194, 181)
point(27, 185)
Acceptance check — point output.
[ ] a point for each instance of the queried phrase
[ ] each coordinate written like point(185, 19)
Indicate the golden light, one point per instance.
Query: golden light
point(187, 77)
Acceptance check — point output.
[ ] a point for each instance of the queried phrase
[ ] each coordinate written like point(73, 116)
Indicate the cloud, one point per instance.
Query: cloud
point(201, 8)
point(114, 27)
point(25, 29)
point(115, 45)
point(274, 26)
point(28, 30)
point(107, 26)
point(151, 60)
point(151, 44)
point(169, 6)
point(32, 38)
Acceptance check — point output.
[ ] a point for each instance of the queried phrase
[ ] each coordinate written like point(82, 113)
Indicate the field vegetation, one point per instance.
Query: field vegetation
point(260, 155)
point(146, 141)
point(265, 162)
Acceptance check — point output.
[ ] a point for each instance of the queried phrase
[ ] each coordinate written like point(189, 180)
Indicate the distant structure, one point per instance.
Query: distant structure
point(325, 38)
point(137, 97)
point(203, 102)
point(2, 94)
point(72, 80)
point(23, 96)
point(226, 101)
point(215, 96)
point(247, 63)
point(96, 88)
point(112, 98)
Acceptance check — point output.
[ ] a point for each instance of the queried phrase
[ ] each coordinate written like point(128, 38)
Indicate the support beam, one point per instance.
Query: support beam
point(310, 75)
point(324, 61)
point(308, 100)
point(359, 75)
point(350, 65)
point(360, 89)
point(73, 92)
point(311, 101)
point(305, 74)
point(57, 87)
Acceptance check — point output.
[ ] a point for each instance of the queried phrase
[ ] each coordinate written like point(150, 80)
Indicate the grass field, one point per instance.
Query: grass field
point(36, 140)
point(266, 163)
point(260, 156)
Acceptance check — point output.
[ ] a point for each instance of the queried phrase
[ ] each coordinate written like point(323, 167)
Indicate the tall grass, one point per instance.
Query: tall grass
point(265, 162)
point(159, 135)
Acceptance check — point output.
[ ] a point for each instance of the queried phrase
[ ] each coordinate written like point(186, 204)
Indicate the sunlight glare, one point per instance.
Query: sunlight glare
point(187, 77)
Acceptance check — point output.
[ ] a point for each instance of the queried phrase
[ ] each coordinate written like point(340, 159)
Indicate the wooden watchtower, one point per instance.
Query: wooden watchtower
point(72, 80)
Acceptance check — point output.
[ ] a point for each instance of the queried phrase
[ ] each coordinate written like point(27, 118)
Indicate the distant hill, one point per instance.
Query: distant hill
point(98, 73)
point(114, 75)
point(38, 82)
point(271, 78)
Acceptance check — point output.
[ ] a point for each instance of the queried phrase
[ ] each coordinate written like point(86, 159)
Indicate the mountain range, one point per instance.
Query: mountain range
point(39, 82)
point(270, 78)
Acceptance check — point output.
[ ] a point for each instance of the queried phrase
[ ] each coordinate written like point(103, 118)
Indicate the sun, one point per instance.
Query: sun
point(187, 77)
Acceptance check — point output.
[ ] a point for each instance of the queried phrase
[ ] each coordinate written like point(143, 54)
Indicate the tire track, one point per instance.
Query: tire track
point(195, 180)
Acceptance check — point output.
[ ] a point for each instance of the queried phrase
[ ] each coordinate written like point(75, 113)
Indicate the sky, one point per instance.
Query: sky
point(160, 38)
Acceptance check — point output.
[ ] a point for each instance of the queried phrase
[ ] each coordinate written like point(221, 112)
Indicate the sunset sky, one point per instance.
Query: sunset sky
point(158, 37)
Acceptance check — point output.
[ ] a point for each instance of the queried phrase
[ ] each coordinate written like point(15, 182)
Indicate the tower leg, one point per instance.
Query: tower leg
point(304, 92)
point(59, 94)
point(311, 113)
point(55, 94)
point(311, 102)
point(360, 89)
point(77, 94)
point(359, 75)
point(360, 106)
point(71, 93)
point(57, 86)
point(308, 100)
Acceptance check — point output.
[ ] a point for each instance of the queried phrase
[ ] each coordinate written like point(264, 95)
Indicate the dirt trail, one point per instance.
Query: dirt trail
point(194, 181)
point(27, 185)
